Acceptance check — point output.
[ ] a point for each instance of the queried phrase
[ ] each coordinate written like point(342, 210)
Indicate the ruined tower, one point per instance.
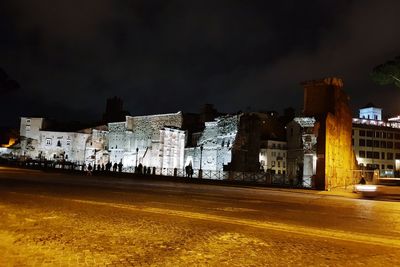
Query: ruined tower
point(326, 101)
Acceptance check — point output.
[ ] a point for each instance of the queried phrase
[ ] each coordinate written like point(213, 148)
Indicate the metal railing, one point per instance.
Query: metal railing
point(249, 177)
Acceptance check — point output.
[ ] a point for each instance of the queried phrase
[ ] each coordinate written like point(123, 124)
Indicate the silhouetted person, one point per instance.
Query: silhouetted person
point(120, 166)
point(102, 167)
point(89, 169)
point(115, 166)
point(108, 166)
point(187, 170)
point(140, 167)
point(190, 171)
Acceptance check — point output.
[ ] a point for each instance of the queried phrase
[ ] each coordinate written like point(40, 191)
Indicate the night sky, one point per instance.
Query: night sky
point(164, 56)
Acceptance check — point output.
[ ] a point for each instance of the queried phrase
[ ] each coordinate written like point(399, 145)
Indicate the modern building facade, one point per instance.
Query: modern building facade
point(273, 157)
point(376, 143)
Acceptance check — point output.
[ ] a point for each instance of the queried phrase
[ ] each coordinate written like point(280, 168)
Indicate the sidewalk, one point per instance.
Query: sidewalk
point(118, 177)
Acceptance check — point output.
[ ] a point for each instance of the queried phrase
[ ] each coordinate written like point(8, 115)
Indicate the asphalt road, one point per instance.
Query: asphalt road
point(68, 220)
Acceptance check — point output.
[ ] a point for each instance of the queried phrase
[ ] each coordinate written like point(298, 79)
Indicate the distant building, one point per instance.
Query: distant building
point(273, 157)
point(165, 141)
point(371, 112)
point(376, 143)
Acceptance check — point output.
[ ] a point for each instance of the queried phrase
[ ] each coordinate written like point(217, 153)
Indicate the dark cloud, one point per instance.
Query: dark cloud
point(163, 56)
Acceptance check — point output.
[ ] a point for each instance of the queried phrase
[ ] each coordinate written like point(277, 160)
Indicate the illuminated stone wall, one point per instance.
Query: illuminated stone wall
point(62, 145)
point(30, 135)
point(96, 146)
point(339, 155)
point(140, 139)
point(326, 101)
point(172, 147)
point(217, 140)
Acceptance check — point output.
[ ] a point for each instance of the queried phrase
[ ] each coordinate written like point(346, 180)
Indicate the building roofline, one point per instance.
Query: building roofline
point(155, 115)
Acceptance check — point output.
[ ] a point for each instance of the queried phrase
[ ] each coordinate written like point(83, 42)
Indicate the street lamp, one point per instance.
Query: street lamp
point(201, 161)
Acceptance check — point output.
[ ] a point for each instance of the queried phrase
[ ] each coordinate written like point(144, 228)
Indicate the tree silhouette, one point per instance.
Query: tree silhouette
point(387, 73)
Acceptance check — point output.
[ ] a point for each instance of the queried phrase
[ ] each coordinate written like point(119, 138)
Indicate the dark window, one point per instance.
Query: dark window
point(370, 154)
point(397, 155)
point(58, 143)
point(390, 167)
point(383, 155)
point(383, 135)
point(397, 145)
point(361, 154)
point(370, 133)
point(362, 133)
point(383, 144)
point(397, 136)
point(352, 132)
point(352, 141)
point(369, 143)
point(378, 134)
point(361, 142)
point(390, 135)
point(376, 143)
point(376, 155)
point(389, 156)
point(389, 144)
point(383, 166)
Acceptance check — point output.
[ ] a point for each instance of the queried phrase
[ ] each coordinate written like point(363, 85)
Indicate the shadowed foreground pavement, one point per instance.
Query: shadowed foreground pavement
point(61, 220)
